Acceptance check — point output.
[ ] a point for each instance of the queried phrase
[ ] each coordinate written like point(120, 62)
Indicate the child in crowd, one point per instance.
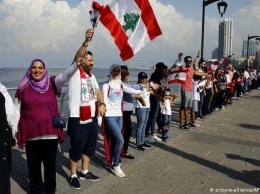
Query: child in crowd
point(195, 99)
point(166, 113)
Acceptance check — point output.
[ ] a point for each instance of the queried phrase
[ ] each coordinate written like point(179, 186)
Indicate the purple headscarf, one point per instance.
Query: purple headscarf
point(39, 86)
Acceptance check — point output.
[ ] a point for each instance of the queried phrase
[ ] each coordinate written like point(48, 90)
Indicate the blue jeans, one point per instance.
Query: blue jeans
point(245, 87)
point(166, 119)
point(142, 115)
point(152, 117)
point(114, 125)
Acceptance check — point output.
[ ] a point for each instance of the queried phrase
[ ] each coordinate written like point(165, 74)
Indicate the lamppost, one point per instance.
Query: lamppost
point(257, 42)
point(222, 6)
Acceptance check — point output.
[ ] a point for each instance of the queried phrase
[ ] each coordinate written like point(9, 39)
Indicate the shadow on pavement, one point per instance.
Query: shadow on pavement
point(249, 177)
point(248, 126)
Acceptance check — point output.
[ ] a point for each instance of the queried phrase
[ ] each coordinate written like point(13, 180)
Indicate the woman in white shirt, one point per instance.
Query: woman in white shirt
point(113, 96)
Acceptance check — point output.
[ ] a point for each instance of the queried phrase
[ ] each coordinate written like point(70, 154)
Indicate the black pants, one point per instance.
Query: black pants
point(159, 119)
point(239, 89)
point(37, 152)
point(206, 100)
point(221, 98)
point(5, 169)
point(127, 128)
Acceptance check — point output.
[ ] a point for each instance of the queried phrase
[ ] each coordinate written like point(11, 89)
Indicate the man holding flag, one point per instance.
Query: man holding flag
point(186, 91)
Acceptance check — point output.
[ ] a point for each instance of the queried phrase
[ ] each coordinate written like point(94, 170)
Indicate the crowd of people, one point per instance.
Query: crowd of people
point(30, 118)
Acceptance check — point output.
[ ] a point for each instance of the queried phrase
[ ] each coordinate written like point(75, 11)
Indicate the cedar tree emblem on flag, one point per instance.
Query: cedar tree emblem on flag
point(132, 24)
point(131, 21)
point(177, 76)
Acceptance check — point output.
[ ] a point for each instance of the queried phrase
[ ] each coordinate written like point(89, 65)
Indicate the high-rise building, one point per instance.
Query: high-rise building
point(225, 38)
point(251, 48)
point(214, 54)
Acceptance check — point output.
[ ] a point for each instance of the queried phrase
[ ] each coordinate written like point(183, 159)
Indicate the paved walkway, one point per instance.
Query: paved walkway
point(222, 155)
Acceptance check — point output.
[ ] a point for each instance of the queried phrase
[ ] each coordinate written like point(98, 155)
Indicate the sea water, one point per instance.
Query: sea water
point(10, 77)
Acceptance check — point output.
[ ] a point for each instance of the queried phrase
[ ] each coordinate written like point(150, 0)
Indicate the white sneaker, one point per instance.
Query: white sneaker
point(223, 108)
point(156, 138)
point(118, 172)
point(216, 108)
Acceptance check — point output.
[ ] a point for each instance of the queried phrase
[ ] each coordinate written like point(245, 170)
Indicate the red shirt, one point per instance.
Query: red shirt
point(188, 85)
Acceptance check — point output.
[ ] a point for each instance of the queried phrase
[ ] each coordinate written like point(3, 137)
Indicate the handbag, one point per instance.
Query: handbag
point(57, 121)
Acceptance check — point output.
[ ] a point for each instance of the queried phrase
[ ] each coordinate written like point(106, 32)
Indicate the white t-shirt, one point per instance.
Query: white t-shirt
point(166, 107)
point(113, 98)
point(145, 96)
point(196, 94)
point(74, 94)
point(246, 74)
point(203, 83)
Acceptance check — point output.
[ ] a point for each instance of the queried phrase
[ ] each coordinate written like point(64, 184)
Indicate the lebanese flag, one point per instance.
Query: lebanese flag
point(178, 76)
point(94, 14)
point(223, 61)
point(132, 23)
point(214, 65)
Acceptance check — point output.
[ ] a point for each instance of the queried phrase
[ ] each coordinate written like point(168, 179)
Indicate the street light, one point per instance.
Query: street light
point(222, 6)
point(257, 42)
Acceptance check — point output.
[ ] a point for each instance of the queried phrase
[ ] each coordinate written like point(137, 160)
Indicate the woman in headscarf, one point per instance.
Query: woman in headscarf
point(36, 95)
point(113, 96)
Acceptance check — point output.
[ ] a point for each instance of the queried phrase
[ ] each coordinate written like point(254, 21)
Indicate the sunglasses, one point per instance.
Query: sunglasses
point(143, 77)
point(188, 61)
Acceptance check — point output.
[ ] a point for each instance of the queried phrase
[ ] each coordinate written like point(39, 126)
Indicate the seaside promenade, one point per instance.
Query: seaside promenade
point(222, 155)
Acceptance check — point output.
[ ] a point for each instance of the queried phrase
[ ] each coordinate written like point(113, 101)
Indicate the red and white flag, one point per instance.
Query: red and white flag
point(178, 76)
point(223, 61)
point(132, 23)
point(215, 64)
point(94, 14)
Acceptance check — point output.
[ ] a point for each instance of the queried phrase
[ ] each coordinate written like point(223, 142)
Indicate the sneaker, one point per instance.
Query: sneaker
point(140, 147)
point(165, 138)
point(184, 126)
point(146, 145)
point(223, 108)
point(88, 176)
point(216, 108)
point(156, 138)
point(237, 98)
point(128, 156)
point(74, 183)
point(191, 124)
point(149, 139)
point(118, 172)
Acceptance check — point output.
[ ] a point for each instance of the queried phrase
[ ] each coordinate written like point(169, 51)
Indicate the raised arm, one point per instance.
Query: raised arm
point(61, 79)
point(177, 62)
point(82, 50)
point(195, 62)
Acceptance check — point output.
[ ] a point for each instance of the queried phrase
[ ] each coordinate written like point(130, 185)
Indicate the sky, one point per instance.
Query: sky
point(54, 30)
